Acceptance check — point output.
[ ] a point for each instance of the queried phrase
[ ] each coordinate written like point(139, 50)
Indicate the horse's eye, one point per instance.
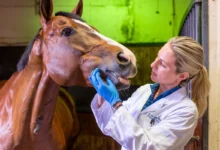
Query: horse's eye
point(68, 32)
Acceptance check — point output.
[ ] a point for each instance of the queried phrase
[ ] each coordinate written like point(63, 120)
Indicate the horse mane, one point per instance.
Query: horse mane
point(24, 58)
point(70, 15)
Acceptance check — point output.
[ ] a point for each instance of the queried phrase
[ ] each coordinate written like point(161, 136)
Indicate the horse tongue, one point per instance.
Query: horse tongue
point(124, 81)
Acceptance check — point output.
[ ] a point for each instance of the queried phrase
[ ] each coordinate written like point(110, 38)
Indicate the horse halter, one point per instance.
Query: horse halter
point(91, 48)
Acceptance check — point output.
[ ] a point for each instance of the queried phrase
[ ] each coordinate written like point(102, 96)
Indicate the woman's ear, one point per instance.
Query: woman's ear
point(183, 76)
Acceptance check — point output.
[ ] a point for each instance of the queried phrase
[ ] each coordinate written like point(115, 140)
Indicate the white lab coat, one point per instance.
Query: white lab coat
point(168, 124)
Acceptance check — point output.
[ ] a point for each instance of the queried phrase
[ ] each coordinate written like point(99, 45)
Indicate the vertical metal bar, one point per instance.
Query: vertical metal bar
point(193, 23)
point(205, 44)
point(186, 27)
point(190, 24)
point(198, 21)
point(205, 33)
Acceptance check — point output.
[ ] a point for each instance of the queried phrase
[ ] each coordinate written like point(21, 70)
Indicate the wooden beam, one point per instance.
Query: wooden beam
point(214, 74)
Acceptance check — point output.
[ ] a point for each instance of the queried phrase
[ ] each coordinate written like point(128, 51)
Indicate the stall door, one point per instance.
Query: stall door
point(194, 25)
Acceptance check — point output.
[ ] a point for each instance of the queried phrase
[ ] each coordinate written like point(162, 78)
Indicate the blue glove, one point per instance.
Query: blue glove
point(107, 91)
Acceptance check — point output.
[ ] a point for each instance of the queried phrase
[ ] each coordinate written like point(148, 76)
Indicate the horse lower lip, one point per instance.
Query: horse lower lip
point(121, 80)
point(116, 78)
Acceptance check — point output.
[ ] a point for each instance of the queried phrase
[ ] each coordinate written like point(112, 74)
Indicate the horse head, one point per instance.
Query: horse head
point(71, 49)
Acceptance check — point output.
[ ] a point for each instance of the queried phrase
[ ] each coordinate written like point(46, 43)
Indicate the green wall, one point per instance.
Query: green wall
point(132, 21)
point(126, 21)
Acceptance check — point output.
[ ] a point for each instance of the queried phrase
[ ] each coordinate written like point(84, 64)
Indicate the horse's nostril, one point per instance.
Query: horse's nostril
point(123, 59)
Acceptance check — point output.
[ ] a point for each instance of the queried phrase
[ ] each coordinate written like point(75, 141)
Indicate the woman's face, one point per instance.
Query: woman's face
point(164, 69)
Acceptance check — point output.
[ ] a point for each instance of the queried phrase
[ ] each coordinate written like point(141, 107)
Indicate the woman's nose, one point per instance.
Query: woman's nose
point(154, 64)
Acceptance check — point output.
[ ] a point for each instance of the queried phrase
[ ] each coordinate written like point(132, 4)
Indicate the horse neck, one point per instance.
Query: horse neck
point(44, 103)
point(33, 96)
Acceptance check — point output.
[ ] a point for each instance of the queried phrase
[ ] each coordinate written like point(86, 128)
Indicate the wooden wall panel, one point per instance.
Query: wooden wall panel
point(214, 75)
point(90, 137)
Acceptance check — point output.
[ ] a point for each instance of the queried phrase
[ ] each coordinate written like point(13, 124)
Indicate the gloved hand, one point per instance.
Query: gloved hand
point(107, 91)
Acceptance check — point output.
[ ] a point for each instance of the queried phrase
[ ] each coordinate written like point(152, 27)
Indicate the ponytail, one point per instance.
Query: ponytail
point(200, 89)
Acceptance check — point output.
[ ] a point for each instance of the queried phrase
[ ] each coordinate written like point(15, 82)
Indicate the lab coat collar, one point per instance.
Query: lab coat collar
point(172, 98)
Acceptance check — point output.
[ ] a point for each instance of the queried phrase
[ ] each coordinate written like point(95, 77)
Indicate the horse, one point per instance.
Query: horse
point(63, 53)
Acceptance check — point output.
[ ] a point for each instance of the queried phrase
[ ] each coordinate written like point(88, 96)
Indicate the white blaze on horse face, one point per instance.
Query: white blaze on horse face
point(126, 51)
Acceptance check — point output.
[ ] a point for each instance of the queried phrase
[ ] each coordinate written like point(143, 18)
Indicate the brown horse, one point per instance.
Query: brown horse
point(63, 53)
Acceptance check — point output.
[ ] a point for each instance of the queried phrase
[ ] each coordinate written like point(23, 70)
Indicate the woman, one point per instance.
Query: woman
point(157, 116)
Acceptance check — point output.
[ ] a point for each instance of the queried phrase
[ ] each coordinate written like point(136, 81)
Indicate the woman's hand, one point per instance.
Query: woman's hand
point(107, 91)
point(100, 101)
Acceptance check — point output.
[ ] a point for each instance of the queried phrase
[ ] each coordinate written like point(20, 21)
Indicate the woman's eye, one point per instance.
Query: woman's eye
point(68, 32)
point(162, 64)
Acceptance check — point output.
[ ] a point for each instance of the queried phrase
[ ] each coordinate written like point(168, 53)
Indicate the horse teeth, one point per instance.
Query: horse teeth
point(114, 74)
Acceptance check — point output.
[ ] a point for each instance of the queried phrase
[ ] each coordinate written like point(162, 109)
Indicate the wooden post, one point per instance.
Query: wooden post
point(214, 75)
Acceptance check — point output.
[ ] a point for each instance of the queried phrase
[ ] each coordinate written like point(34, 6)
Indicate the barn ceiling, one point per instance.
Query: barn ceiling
point(127, 21)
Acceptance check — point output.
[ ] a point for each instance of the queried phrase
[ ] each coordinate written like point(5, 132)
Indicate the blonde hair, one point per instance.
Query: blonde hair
point(189, 58)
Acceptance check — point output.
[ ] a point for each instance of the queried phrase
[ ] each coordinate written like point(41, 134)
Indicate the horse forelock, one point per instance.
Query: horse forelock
point(24, 58)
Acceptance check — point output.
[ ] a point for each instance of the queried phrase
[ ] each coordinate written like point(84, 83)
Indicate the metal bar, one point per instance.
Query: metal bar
point(198, 22)
point(205, 34)
point(191, 18)
point(205, 44)
point(193, 23)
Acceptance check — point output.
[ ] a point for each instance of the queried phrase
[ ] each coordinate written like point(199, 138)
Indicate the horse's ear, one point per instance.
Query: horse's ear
point(78, 10)
point(46, 8)
point(42, 20)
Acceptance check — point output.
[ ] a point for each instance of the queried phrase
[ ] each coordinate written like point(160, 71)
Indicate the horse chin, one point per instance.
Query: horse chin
point(121, 83)
point(121, 87)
